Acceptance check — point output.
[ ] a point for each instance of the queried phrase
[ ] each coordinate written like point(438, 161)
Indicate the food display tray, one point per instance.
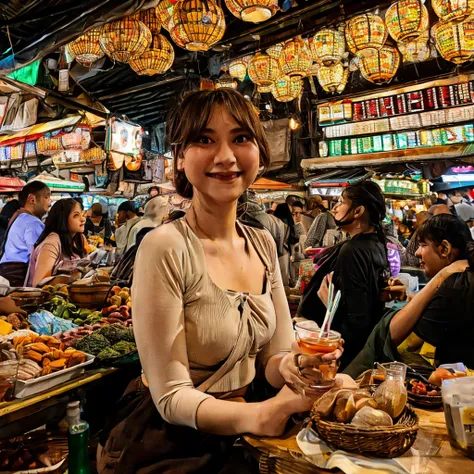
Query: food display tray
point(26, 388)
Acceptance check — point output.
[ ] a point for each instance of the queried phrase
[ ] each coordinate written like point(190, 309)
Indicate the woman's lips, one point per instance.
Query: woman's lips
point(226, 177)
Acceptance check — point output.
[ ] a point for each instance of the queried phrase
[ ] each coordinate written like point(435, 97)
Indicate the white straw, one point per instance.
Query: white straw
point(335, 304)
point(328, 309)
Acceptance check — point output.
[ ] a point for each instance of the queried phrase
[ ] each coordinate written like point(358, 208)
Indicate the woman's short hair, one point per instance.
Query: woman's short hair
point(187, 122)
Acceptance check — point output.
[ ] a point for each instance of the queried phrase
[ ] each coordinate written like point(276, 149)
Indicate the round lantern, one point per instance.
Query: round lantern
point(202, 22)
point(365, 32)
point(253, 11)
point(381, 66)
point(125, 39)
point(455, 41)
point(313, 70)
point(264, 89)
point(149, 19)
point(86, 49)
point(328, 46)
point(164, 13)
point(453, 10)
point(226, 80)
point(286, 88)
point(238, 69)
point(178, 35)
point(263, 69)
point(333, 78)
point(156, 60)
point(406, 20)
point(295, 58)
point(275, 50)
point(416, 51)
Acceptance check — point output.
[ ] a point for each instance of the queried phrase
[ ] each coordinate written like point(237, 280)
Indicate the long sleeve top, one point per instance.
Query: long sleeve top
point(195, 323)
point(321, 224)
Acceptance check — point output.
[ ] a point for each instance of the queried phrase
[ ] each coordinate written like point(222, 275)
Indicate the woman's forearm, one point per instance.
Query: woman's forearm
point(272, 370)
point(404, 320)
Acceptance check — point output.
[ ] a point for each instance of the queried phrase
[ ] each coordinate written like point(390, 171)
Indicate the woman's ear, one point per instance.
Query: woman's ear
point(446, 249)
point(359, 212)
point(180, 164)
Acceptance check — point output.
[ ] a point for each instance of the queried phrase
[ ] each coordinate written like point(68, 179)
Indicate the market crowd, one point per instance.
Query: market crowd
point(226, 337)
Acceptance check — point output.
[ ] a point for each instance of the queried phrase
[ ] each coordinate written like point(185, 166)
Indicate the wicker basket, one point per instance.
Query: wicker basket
point(382, 442)
point(89, 296)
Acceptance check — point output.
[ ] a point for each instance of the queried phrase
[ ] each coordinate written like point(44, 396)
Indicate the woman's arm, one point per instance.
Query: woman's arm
point(47, 259)
point(404, 320)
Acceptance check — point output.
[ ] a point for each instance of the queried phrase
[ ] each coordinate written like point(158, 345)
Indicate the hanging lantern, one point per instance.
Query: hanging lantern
point(275, 50)
point(313, 70)
point(86, 49)
point(406, 20)
point(295, 58)
point(226, 80)
point(203, 23)
point(149, 19)
point(178, 35)
point(156, 60)
point(125, 39)
point(332, 78)
point(286, 88)
point(253, 11)
point(238, 69)
point(263, 69)
point(416, 51)
point(381, 66)
point(365, 32)
point(455, 41)
point(328, 46)
point(264, 89)
point(164, 13)
point(453, 10)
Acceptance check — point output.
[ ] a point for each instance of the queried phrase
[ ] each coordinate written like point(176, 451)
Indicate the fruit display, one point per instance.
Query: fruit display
point(17, 321)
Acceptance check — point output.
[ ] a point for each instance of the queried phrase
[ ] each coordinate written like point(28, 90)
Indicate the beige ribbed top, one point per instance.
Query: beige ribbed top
point(194, 324)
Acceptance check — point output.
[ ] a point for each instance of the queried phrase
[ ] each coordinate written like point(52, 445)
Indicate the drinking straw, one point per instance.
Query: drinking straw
point(334, 306)
point(328, 309)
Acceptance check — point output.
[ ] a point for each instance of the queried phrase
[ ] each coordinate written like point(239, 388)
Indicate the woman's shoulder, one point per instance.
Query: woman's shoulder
point(52, 238)
point(171, 234)
point(263, 240)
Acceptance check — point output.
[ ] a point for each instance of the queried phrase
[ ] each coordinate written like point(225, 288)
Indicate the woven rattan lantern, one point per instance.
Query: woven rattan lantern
point(238, 69)
point(253, 11)
point(455, 41)
point(328, 46)
point(156, 60)
point(263, 69)
point(453, 10)
point(286, 88)
point(295, 58)
point(125, 39)
point(275, 50)
point(178, 35)
point(149, 19)
point(333, 78)
point(86, 49)
point(264, 89)
point(406, 20)
point(164, 13)
point(381, 66)
point(416, 51)
point(226, 80)
point(365, 33)
point(202, 21)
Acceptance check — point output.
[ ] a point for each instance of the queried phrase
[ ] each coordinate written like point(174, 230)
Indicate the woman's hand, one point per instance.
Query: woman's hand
point(299, 370)
point(395, 290)
point(323, 291)
point(456, 267)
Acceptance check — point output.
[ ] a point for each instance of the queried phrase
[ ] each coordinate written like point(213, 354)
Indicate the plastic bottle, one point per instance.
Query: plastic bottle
point(78, 440)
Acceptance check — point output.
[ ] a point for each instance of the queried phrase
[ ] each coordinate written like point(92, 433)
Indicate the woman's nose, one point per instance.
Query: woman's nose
point(225, 154)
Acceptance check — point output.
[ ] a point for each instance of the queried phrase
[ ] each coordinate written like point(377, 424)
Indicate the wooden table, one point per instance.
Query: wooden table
point(434, 454)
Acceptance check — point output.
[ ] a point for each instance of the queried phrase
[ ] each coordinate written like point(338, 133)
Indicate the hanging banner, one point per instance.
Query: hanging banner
point(126, 138)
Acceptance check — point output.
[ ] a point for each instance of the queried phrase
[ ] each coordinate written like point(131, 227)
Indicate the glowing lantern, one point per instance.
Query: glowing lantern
point(381, 66)
point(263, 69)
point(295, 58)
point(253, 11)
point(264, 89)
point(202, 22)
point(86, 49)
point(238, 69)
point(328, 46)
point(125, 39)
point(149, 19)
point(164, 13)
point(406, 20)
point(286, 89)
point(453, 10)
point(226, 81)
point(365, 33)
point(416, 51)
point(333, 78)
point(156, 60)
point(455, 41)
point(275, 50)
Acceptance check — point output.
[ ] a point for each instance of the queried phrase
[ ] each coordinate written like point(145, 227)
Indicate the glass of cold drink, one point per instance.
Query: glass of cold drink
point(315, 344)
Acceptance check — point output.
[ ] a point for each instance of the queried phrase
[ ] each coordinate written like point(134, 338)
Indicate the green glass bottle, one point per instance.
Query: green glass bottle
point(78, 440)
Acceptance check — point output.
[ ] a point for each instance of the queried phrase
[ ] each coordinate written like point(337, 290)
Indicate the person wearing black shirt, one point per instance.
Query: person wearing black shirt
point(97, 224)
point(360, 269)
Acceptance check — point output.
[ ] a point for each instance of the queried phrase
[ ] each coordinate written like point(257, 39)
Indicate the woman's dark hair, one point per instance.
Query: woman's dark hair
point(57, 221)
point(283, 212)
point(297, 204)
point(450, 228)
point(35, 187)
point(10, 208)
point(187, 122)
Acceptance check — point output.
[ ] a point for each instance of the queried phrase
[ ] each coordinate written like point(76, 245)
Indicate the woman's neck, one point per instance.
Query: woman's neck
point(357, 228)
point(215, 220)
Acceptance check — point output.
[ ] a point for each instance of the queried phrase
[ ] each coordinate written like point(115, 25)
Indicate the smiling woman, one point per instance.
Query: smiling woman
point(210, 290)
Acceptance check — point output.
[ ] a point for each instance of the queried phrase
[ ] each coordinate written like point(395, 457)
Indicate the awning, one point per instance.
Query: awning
point(264, 183)
point(10, 185)
point(60, 185)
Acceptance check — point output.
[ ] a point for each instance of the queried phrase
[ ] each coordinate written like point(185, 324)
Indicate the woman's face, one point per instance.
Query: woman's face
point(76, 220)
point(223, 162)
point(431, 258)
point(342, 209)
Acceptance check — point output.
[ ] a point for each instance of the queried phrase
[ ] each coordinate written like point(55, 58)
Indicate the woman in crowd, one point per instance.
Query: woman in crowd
point(442, 313)
point(97, 224)
point(62, 239)
point(360, 268)
point(204, 332)
point(323, 222)
point(9, 209)
point(283, 212)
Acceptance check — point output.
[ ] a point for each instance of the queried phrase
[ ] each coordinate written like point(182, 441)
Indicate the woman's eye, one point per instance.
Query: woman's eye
point(204, 140)
point(242, 139)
